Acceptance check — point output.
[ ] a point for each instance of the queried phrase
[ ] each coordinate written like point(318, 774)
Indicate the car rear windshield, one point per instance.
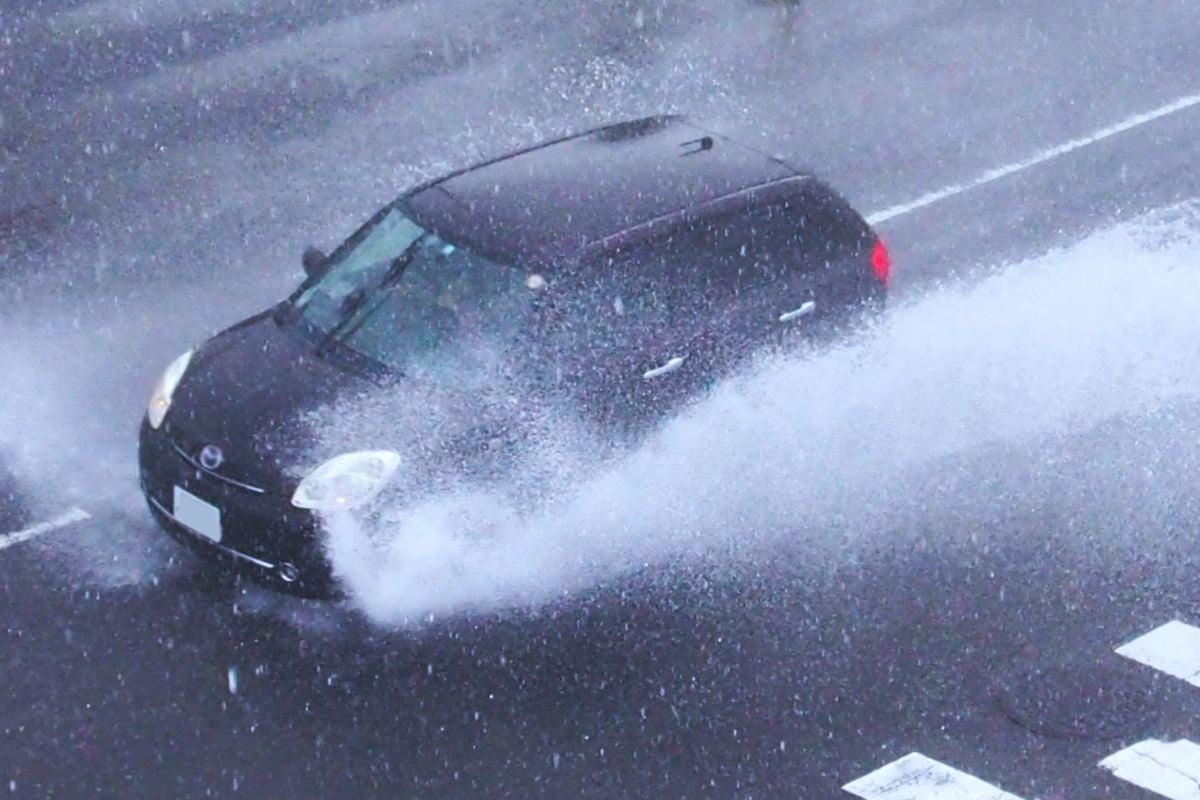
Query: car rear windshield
point(408, 299)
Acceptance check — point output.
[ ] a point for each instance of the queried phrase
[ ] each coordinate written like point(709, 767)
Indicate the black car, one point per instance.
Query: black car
point(617, 272)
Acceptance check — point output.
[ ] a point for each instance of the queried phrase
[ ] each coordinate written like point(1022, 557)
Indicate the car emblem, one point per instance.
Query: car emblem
point(211, 457)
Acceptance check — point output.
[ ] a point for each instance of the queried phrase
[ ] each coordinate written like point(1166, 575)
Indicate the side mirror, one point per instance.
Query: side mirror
point(314, 262)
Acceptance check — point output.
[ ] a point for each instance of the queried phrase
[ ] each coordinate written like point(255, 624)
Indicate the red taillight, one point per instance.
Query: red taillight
point(881, 262)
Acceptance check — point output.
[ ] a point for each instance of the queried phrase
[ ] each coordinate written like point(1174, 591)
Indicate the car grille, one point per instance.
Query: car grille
point(183, 453)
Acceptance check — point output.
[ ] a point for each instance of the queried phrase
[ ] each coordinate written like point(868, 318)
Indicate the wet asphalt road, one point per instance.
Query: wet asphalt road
point(145, 212)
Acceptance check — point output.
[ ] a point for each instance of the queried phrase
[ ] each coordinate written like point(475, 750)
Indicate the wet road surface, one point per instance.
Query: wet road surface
point(180, 170)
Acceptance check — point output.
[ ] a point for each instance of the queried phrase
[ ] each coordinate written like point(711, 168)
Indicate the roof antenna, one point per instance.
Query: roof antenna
point(701, 145)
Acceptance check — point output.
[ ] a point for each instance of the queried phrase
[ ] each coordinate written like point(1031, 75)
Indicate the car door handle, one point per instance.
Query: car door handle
point(666, 369)
point(798, 313)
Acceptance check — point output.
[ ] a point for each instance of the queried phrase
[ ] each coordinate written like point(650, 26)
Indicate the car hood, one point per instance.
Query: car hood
point(247, 391)
point(257, 391)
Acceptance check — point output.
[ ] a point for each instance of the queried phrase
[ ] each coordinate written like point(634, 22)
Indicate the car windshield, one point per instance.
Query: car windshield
point(406, 298)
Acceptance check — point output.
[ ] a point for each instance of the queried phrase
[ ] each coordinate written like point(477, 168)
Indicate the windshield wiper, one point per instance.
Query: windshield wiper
point(350, 306)
point(284, 312)
point(359, 297)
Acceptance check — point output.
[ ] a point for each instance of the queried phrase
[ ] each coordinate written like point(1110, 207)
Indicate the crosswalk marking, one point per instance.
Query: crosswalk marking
point(1170, 769)
point(917, 777)
point(1174, 649)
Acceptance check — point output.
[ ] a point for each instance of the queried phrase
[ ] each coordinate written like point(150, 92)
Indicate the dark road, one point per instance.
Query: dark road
point(989, 503)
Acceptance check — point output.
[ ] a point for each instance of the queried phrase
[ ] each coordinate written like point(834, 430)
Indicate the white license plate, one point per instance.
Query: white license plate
point(203, 518)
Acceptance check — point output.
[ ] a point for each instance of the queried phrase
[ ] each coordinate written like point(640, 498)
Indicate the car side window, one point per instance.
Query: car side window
point(684, 281)
point(740, 252)
point(768, 259)
point(726, 276)
point(821, 229)
point(636, 295)
point(768, 245)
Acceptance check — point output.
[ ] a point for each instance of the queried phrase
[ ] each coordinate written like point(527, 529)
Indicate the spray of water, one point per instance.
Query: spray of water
point(164, 256)
point(812, 452)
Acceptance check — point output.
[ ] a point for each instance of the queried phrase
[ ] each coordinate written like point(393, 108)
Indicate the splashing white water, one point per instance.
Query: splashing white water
point(810, 449)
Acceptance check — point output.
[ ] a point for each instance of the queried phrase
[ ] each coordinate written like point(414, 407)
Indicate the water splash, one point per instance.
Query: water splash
point(815, 454)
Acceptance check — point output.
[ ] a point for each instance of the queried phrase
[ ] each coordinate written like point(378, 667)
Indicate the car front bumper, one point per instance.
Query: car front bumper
point(262, 534)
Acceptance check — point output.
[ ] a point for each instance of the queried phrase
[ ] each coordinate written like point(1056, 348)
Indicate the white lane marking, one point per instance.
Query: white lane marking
point(916, 777)
point(1041, 158)
point(69, 517)
point(1171, 769)
point(1174, 649)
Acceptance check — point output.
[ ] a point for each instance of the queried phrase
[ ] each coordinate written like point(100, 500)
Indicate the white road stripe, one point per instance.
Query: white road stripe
point(69, 517)
point(1174, 649)
point(1041, 158)
point(916, 777)
point(1171, 769)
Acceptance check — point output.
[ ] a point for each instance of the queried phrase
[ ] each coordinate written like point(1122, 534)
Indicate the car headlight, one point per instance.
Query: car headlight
point(347, 481)
point(160, 399)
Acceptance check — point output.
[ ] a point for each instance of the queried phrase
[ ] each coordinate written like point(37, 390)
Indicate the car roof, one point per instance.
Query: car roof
point(549, 202)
